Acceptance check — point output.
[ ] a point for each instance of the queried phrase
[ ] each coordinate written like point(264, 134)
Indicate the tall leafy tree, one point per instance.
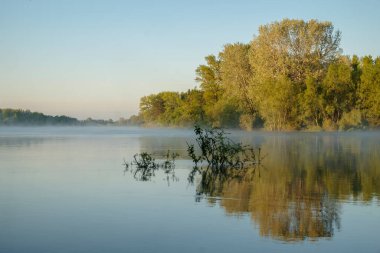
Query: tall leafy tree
point(295, 49)
point(151, 107)
point(356, 70)
point(172, 104)
point(276, 100)
point(311, 103)
point(236, 74)
point(193, 107)
point(369, 90)
point(210, 81)
point(338, 91)
point(291, 76)
point(291, 50)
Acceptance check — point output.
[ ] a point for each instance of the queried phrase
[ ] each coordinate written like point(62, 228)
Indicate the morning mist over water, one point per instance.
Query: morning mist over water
point(68, 185)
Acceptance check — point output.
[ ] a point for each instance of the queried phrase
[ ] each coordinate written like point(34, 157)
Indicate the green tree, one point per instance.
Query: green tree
point(151, 107)
point(291, 50)
point(295, 49)
point(291, 76)
point(276, 100)
point(26, 117)
point(210, 80)
point(369, 90)
point(338, 91)
point(312, 103)
point(192, 110)
point(236, 75)
point(356, 70)
point(172, 104)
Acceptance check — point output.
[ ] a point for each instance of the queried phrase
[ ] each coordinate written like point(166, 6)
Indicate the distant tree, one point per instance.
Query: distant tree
point(26, 117)
point(135, 120)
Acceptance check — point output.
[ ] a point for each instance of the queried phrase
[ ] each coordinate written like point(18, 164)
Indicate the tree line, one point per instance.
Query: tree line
point(291, 76)
point(26, 117)
point(19, 117)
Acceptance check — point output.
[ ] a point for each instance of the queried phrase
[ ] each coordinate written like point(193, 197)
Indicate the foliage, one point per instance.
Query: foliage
point(26, 117)
point(172, 108)
point(18, 117)
point(290, 76)
point(278, 109)
point(338, 91)
point(294, 48)
point(134, 120)
point(369, 90)
point(209, 77)
point(350, 120)
point(311, 104)
point(236, 74)
point(246, 122)
point(217, 154)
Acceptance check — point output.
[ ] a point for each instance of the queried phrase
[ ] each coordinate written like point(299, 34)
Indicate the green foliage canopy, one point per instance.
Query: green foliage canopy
point(292, 75)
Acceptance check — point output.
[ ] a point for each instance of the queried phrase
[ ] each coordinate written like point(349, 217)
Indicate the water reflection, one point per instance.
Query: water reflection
point(159, 146)
point(12, 142)
point(297, 194)
point(284, 207)
point(298, 191)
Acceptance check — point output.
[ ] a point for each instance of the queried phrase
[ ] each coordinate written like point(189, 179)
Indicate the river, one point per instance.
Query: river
point(64, 189)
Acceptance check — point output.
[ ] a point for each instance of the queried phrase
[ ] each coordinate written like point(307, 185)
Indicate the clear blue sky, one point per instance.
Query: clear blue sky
point(97, 58)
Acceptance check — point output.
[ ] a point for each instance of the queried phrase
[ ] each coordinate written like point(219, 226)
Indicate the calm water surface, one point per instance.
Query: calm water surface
point(64, 190)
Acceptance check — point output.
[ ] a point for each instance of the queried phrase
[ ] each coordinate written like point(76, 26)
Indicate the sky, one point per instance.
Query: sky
point(98, 58)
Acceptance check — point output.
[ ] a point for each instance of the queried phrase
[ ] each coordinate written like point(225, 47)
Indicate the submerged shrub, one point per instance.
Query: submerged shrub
point(219, 154)
point(216, 157)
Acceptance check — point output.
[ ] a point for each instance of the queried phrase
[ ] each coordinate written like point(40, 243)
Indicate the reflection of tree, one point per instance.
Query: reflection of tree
point(20, 141)
point(297, 194)
point(283, 209)
point(159, 146)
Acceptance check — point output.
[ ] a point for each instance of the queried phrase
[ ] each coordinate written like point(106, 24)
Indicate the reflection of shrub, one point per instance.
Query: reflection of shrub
point(352, 119)
point(144, 165)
